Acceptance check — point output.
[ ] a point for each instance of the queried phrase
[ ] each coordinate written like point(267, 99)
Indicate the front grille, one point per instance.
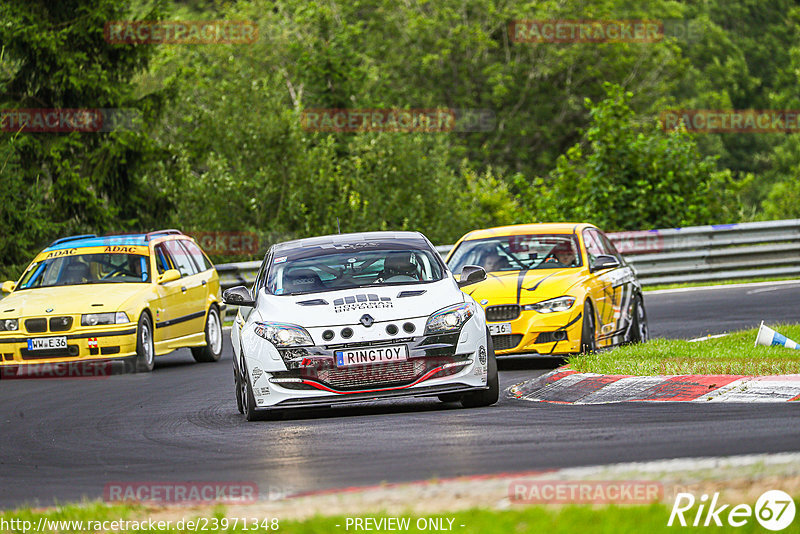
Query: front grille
point(506, 341)
point(109, 350)
point(502, 312)
point(375, 375)
point(60, 324)
point(372, 376)
point(35, 326)
point(71, 350)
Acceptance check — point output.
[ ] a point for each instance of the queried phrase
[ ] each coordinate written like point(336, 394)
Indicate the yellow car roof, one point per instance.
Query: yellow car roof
point(522, 229)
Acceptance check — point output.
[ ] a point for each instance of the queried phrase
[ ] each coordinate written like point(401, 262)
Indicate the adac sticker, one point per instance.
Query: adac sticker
point(280, 259)
point(140, 250)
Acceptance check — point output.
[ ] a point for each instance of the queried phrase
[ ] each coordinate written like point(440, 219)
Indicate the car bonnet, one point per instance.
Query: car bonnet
point(348, 306)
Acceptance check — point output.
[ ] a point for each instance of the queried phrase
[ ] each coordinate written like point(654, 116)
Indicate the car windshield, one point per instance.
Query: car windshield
point(102, 268)
point(346, 270)
point(518, 252)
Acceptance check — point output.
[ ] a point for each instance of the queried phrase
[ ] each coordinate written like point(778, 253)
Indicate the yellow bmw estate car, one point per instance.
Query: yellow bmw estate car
point(125, 297)
point(552, 289)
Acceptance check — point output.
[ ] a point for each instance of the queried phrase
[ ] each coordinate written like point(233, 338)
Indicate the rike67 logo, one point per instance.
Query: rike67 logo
point(774, 510)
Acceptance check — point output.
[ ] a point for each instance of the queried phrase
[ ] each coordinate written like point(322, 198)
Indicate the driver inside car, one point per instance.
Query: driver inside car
point(562, 253)
point(75, 272)
point(134, 267)
point(495, 262)
point(398, 264)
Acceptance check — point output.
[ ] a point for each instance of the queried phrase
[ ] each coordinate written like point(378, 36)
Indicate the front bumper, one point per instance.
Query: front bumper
point(436, 365)
point(540, 334)
point(98, 343)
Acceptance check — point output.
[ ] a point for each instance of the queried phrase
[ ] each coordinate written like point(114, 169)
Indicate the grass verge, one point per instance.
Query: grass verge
point(534, 519)
point(733, 354)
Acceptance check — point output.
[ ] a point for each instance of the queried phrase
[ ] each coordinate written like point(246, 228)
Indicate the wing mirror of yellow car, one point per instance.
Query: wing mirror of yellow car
point(8, 286)
point(170, 275)
point(604, 261)
point(471, 274)
point(238, 296)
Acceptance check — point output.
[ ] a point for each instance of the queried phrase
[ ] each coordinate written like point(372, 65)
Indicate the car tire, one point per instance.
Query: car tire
point(490, 395)
point(145, 347)
point(237, 384)
point(249, 409)
point(246, 393)
point(639, 332)
point(213, 333)
point(588, 330)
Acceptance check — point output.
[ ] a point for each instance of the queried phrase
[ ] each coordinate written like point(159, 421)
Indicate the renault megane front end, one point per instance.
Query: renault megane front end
point(354, 317)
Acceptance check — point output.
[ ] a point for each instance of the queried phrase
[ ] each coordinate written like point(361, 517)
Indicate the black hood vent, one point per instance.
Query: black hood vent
point(411, 293)
point(313, 302)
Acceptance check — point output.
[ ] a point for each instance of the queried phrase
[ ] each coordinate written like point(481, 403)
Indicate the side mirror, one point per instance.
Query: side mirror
point(605, 261)
point(170, 275)
point(8, 286)
point(471, 274)
point(238, 296)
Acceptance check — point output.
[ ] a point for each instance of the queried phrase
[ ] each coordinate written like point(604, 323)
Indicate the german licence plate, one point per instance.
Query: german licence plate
point(368, 355)
point(47, 343)
point(499, 328)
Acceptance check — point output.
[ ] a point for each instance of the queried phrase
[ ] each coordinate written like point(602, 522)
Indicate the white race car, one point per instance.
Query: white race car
point(354, 317)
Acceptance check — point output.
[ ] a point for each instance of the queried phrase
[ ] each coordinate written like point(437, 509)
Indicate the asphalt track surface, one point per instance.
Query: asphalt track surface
point(63, 440)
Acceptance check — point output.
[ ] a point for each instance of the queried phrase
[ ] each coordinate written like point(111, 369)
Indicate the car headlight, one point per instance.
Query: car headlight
point(283, 334)
point(450, 318)
point(553, 305)
point(9, 325)
point(94, 319)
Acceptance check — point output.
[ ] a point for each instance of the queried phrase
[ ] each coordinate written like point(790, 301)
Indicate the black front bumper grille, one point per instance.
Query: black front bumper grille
point(370, 376)
point(70, 351)
point(552, 337)
point(376, 375)
point(502, 312)
point(506, 341)
point(318, 364)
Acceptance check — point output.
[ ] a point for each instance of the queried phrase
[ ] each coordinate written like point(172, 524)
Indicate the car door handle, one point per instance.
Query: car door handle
point(204, 282)
point(183, 289)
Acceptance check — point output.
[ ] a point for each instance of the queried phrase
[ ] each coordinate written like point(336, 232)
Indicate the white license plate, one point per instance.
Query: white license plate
point(368, 355)
point(47, 343)
point(499, 328)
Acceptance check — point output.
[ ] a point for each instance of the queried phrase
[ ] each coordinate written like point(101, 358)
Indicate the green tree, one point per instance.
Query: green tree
point(629, 176)
point(55, 57)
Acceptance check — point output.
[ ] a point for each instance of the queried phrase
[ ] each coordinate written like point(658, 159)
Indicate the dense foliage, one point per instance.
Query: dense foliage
point(221, 144)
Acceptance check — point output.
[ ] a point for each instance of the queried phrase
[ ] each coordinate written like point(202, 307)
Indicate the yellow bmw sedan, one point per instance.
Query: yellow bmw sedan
point(124, 297)
point(552, 289)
